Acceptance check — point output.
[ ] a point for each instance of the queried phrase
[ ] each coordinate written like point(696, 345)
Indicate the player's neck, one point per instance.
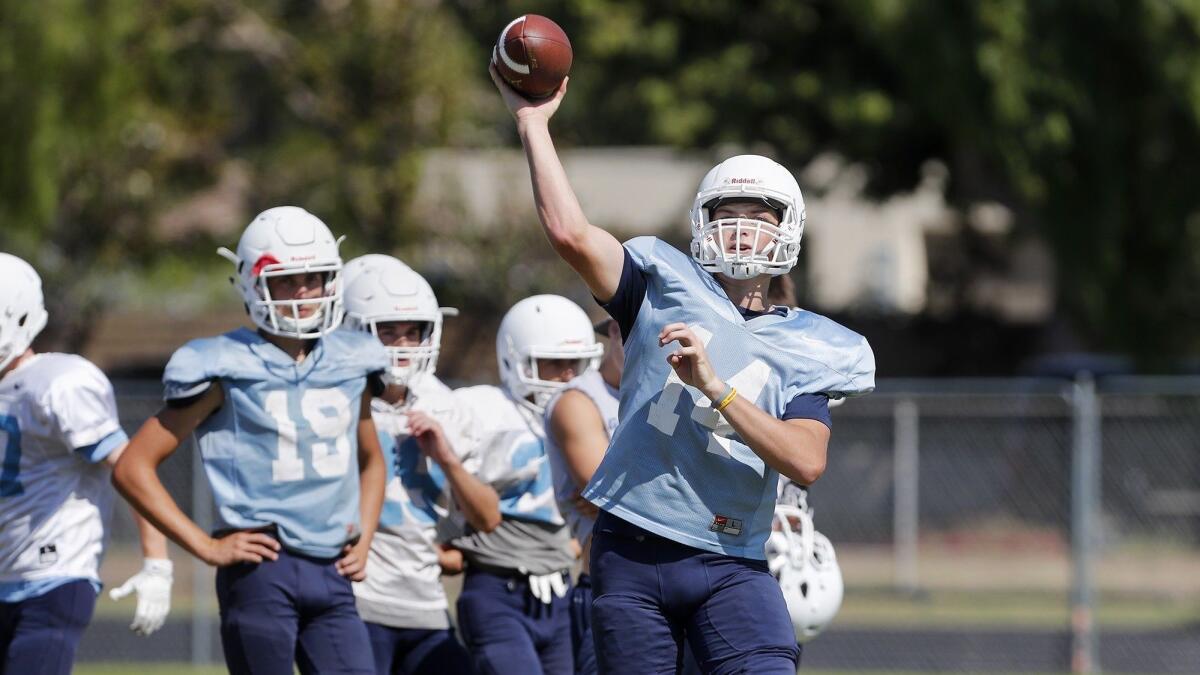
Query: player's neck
point(297, 348)
point(17, 363)
point(395, 394)
point(748, 294)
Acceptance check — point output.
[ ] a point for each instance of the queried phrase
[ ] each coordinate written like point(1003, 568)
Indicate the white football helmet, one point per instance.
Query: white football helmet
point(741, 178)
point(543, 327)
point(278, 242)
point(807, 569)
point(380, 288)
point(22, 307)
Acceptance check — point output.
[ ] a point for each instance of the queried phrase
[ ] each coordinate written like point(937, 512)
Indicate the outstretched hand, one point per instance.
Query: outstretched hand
point(527, 109)
point(690, 361)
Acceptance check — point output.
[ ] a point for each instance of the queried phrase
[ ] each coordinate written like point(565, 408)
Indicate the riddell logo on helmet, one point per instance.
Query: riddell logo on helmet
point(744, 181)
point(296, 258)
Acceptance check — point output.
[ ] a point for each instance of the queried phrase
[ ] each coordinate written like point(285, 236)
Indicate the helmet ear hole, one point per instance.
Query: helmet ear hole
point(21, 321)
point(804, 589)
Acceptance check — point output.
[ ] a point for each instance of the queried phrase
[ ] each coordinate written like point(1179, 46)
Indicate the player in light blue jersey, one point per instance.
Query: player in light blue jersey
point(282, 420)
point(513, 611)
point(429, 442)
point(721, 394)
point(59, 437)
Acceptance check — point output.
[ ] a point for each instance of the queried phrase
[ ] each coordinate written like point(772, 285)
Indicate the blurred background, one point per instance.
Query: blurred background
point(1002, 196)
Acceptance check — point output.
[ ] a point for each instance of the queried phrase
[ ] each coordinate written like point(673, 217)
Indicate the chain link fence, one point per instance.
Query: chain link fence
point(956, 510)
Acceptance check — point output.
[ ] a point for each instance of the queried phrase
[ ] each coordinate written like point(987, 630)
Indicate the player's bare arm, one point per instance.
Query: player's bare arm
point(135, 476)
point(579, 430)
point(594, 253)
point(794, 448)
point(372, 481)
point(479, 502)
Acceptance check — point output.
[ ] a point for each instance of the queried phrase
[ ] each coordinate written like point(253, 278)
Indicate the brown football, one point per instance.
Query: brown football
point(533, 55)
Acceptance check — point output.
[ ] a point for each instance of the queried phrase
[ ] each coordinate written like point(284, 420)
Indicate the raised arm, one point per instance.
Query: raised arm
point(136, 478)
point(594, 253)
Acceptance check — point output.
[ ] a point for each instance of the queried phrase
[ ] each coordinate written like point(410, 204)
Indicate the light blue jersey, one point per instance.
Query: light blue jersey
point(283, 448)
point(675, 467)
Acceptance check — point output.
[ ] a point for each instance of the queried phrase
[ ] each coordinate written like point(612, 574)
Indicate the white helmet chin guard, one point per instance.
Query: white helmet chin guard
point(543, 327)
point(278, 242)
point(380, 289)
point(22, 308)
point(748, 178)
point(807, 569)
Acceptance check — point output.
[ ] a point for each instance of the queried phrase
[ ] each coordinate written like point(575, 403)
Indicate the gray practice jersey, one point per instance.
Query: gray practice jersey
point(607, 400)
point(532, 536)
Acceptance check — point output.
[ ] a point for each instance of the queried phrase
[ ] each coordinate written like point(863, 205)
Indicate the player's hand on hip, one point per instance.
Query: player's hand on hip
point(153, 587)
point(431, 438)
point(524, 108)
point(690, 360)
point(353, 563)
point(242, 547)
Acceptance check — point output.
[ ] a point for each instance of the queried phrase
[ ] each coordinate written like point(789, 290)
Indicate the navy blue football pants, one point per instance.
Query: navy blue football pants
point(581, 627)
point(39, 636)
point(417, 651)
point(508, 631)
point(650, 591)
point(295, 609)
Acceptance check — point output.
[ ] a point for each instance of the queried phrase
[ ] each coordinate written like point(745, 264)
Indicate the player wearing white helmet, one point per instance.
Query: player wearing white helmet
point(282, 419)
point(513, 611)
point(60, 436)
point(579, 422)
point(429, 445)
point(805, 564)
point(722, 393)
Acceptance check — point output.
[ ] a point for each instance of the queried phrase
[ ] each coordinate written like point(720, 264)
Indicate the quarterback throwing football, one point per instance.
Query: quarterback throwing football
point(722, 394)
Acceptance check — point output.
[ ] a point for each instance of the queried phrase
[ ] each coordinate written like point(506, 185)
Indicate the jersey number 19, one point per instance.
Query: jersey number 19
point(327, 412)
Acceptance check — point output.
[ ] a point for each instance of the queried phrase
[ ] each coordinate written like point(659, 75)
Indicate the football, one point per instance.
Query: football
point(533, 55)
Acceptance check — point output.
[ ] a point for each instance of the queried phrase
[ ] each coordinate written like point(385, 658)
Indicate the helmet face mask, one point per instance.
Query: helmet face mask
point(543, 327)
point(286, 317)
point(22, 308)
point(412, 362)
point(283, 241)
point(381, 290)
point(718, 244)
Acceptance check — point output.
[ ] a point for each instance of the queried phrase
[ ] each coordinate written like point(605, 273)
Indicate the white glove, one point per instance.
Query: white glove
point(544, 587)
point(153, 587)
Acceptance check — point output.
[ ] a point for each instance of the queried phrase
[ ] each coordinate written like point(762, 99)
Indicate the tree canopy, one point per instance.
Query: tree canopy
point(1082, 116)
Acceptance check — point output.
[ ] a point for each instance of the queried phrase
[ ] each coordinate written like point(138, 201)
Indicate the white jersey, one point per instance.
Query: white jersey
point(402, 589)
point(58, 421)
point(607, 400)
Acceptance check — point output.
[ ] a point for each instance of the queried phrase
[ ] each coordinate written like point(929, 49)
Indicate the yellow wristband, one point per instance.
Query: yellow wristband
point(727, 400)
